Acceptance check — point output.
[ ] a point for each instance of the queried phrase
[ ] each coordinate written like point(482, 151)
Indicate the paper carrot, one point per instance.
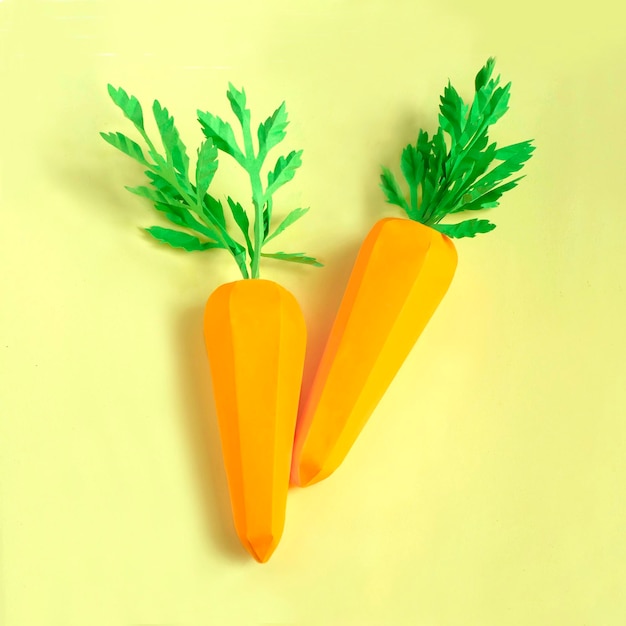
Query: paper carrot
point(254, 329)
point(403, 270)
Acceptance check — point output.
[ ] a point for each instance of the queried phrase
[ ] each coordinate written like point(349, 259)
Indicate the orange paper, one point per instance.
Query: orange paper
point(401, 273)
point(255, 338)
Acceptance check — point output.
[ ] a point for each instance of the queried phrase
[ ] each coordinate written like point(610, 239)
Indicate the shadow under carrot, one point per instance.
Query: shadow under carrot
point(200, 420)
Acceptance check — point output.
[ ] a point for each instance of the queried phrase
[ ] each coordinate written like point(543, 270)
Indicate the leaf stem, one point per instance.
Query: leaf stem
point(253, 167)
point(267, 218)
point(413, 188)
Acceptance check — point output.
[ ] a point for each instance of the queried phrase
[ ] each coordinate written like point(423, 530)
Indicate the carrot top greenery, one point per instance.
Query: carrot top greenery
point(463, 172)
point(187, 204)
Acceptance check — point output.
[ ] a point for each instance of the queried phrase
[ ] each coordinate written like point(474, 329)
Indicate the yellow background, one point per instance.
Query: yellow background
point(488, 488)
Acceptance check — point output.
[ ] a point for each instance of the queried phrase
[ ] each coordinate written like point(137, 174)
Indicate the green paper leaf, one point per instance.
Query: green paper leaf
point(468, 228)
point(433, 189)
point(480, 112)
point(485, 197)
point(176, 215)
point(499, 104)
point(214, 210)
point(423, 145)
point(267, 218)
point(241, 218)
point(125, 145)
point(237, 101)
point(412, 165)
point(182, 216)
point(521, 151)
point(484, 74)
point(129, 104)
point(173, 206)
point(174, 147)
point(272, 131)
point(189, 205)
point(206, 166)
point(158, 182)
point(452, 112)
point(292, 257)
point(391, 189)
point(284, 171)
point(154, 195)
point(462, 169)
point(178, 239)
point(513, 164)
point(221, 133)
point(210, 207)
point(292, 217)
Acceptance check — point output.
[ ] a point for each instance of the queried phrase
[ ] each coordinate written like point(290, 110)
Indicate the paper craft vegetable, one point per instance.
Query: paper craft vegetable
point(403, 270)
point(254, 329)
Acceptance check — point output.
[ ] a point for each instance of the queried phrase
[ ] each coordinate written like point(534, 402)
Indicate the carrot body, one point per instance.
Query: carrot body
point(401, 273)
point(255, 337)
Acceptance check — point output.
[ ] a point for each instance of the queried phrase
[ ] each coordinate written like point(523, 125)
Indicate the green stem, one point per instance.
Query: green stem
point(253, 167)
point(268, 217)
point(414, 201)
point(257, 199)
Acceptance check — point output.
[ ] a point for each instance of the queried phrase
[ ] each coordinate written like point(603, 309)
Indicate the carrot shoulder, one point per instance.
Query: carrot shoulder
point(401, 273)
point(255, 339)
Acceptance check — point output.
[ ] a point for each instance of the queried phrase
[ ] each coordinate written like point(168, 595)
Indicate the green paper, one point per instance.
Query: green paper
point(213, 210)
point(292, 217)
point(237, 101)
point(272, 131)
point(458, 169)
point(206, 166)
point(221, 133)
point(179, 239)
point(392, 190)
point(125, 145)
point(129, 104)
point(467, 228)
point(293, 257)
point(241, 219)
point(174, 147)
point(154, 195)
point(189, 205)
point(284, 171)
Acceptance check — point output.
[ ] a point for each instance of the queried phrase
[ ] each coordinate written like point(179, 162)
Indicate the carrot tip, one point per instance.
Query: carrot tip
point(262, 547)
point(310, 473)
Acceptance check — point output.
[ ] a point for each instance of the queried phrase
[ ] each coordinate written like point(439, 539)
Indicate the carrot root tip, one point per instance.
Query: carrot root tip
point(262, 547)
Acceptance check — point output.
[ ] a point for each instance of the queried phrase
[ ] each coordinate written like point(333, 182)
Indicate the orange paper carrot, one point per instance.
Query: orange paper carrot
point(403, 270)
point(256, 340)
point(254, 329)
